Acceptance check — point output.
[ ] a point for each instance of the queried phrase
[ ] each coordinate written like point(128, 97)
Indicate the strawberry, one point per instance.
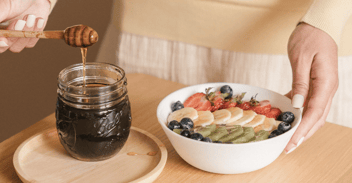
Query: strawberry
point(228, 104)
point(198, 101)
point(216, 99)
point(245, 106)
point(274, 113)
point(262, 107)
point(205, 105)
point(217, 103)
point(233, 102)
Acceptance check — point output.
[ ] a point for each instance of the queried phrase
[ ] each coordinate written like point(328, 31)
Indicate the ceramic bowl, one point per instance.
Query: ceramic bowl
point(228, 158)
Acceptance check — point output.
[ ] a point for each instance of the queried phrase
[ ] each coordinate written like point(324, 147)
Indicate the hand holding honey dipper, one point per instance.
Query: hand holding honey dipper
point(25, 32)
point(22, 16)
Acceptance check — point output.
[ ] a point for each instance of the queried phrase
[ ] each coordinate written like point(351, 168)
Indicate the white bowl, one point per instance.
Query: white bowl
point(228, 158)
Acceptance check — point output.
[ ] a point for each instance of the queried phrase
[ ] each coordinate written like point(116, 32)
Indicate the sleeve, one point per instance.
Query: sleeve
point(329, 16)
point(52, 4)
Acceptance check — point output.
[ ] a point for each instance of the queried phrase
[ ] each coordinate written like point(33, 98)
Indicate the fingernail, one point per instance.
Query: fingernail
point(3, 44)
point(299, 143)
point(297, 101)
point(40, 23)
point(31, 20)
point(20, 25)
point(291, 150)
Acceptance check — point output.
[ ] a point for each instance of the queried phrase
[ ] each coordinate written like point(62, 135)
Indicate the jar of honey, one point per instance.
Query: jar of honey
point(93, 113)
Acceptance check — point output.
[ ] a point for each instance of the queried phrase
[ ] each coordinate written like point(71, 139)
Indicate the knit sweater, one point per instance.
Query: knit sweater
point(252, 26)
point(260, 26)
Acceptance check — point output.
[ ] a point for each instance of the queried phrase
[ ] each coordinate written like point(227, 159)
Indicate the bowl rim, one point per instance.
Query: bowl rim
point(292, 130)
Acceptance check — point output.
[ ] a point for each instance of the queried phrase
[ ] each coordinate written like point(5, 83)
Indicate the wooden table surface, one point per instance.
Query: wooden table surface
point(325, 157)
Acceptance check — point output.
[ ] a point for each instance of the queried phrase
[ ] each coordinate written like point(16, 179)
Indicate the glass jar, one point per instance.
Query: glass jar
point(93, 120)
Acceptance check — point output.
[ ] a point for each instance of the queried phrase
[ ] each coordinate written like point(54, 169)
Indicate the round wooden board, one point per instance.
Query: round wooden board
point(42, 158)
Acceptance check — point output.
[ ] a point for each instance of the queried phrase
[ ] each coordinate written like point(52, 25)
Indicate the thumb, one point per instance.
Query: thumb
point(300, 84)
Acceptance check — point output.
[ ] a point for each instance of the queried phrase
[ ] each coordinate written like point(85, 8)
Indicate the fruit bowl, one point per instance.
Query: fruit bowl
point(228, 158)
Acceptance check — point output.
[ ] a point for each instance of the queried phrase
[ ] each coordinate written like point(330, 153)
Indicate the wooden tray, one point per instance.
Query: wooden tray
point(42, 158)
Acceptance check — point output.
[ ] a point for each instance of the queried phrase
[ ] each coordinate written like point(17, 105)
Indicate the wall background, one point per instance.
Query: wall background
point(28, 79)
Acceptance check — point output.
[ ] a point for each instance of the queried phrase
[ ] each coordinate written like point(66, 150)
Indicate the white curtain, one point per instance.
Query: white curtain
point(191, 64)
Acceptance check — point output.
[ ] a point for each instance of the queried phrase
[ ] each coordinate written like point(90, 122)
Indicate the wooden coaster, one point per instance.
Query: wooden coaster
point(42, 158)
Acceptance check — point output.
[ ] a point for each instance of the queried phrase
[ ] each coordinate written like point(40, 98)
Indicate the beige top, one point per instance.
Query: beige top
point(52, 4)
point(252, 26)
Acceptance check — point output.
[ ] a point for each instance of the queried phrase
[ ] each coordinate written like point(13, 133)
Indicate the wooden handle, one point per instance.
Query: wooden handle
point(76, 36)
point(33, 34)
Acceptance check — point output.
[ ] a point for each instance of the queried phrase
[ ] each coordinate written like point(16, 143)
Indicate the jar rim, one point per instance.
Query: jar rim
point(78, 65)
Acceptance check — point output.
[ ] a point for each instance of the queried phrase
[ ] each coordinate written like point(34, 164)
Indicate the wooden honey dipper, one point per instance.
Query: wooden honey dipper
point(76, 36)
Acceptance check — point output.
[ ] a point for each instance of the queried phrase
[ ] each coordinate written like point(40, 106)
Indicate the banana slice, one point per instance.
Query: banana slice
point(258, 128)
point(221, 116)
point(204, 118)
point(257, 120)
point(268, 124)
point(236, 114)
point(247, 117)
point(188, 112)
point(276, 124)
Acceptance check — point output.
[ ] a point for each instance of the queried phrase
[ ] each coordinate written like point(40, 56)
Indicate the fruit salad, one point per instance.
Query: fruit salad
point(222, 117)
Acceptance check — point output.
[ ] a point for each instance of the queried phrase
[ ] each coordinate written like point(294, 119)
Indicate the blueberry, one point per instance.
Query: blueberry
point(186, 123)
point(176, 106)
point(275, 133)
point(287, 117)
point(186, 133)
point(226, 89)
point(284, 127)
point(206, 139)
point(197, 136)
point(219, 142)
point(174, 125)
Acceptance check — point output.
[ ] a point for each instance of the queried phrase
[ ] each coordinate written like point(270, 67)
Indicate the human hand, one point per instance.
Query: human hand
point(26, 15)
point(313, 57)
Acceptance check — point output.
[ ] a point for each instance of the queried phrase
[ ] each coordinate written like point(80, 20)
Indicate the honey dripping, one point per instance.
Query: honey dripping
point(84, 58)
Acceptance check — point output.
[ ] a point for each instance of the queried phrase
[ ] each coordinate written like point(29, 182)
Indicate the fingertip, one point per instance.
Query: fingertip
point(290, 150)
point(293, 145)
point(20, 25)
point(40, 23)
point(297, 101)
point(32, 43)
point(30, 21)
point(3, 44)
point(16, 49)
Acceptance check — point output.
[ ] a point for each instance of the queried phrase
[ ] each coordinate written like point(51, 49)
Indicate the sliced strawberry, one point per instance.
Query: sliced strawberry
point(228, 104)
point(245, 106)
point(198, 101)
point(217, 103)
point(216, 99)
point(204, 105)
point(274, 113)
point(194, 100)
point(262, 108)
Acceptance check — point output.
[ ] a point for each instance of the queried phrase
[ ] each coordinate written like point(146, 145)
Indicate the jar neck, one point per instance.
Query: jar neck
point(90, 106)
point(105, 85)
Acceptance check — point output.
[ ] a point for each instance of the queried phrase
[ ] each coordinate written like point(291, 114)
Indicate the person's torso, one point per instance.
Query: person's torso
point(252, 26)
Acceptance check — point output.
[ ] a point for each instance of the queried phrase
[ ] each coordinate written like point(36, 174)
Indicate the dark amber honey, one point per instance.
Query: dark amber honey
point(93, 134)
point(93, 120)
